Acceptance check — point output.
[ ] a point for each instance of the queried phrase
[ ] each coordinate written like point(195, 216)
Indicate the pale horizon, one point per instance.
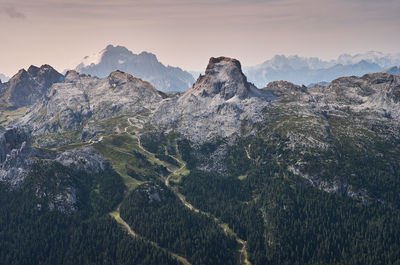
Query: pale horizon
point(187, 33)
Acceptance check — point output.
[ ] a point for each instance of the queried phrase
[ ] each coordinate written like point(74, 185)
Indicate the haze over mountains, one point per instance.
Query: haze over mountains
point(295, 69)
point(298, 70)
point(305, 71)
point(144, 65)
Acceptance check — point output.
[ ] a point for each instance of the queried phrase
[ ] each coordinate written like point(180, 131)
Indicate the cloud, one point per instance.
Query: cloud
point(12, 12)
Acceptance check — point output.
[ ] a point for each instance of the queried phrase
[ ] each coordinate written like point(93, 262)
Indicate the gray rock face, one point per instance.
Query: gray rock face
point(216, 105)
point(144, 65)
point(70, 105)
point(15, 156)
point(86, 159)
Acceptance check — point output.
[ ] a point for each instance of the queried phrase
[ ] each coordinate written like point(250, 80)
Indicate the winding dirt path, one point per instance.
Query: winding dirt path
point(243, 250)
point(117, 217)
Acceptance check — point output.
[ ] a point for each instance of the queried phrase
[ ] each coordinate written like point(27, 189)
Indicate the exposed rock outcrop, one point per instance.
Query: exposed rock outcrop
point(15, 156)
point(86, 159)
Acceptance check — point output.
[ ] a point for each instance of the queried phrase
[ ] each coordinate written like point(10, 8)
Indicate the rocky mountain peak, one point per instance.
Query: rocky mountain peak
point(71, 76)
point(144, 65)
point(224, 77)
point(26, 87)
point(33, 70)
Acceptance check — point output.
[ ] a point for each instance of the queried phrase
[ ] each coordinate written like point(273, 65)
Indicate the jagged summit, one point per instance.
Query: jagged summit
point(224, 77)
point(26, 87)
point(144, 65)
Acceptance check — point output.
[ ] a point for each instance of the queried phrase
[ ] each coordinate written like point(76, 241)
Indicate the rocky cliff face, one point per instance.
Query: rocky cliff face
point(223, 77)
point(15, 156)
point(216, 105)
point(27, 87)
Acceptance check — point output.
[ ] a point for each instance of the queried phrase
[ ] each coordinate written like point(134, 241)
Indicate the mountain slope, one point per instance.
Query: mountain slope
point(144, 65)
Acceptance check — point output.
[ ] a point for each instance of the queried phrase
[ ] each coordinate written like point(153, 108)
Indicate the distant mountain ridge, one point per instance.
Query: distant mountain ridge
point(144, 65)
point(309, 70)
point(395, 70)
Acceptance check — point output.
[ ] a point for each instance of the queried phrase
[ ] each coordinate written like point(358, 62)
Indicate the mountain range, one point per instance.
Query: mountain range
point(144, 65)
point(110, 170)
point(302, 70)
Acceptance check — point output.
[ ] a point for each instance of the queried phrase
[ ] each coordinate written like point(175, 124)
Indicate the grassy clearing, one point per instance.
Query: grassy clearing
point(7, 116)
point(122, 158)
point(242, 177)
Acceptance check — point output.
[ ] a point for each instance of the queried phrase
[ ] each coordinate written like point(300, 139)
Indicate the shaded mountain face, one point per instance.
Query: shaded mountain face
point(144, 65)
point(27, 87)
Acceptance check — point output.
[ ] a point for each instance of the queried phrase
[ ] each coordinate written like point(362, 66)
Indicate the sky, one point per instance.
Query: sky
point(186, 33)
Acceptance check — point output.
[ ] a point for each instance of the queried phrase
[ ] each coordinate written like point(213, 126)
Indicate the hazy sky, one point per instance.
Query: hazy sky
point(186, 33)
